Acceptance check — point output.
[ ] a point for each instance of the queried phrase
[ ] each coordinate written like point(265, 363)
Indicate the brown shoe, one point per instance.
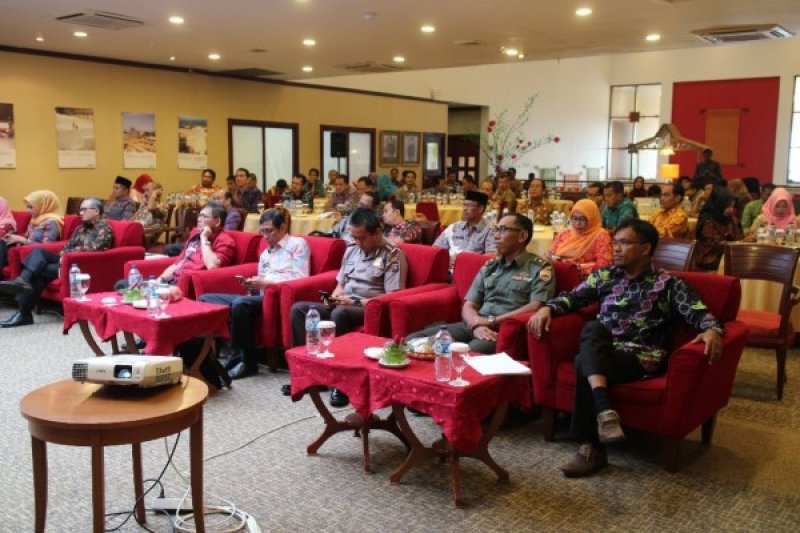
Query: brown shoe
point(586, 462)
point(608, 427)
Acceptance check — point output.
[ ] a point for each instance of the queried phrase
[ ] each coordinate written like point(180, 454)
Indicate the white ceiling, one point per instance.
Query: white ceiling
point(541, 29)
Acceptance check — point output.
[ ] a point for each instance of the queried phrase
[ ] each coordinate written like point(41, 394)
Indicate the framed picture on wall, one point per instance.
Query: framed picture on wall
point(411, 148)
point(390, 148)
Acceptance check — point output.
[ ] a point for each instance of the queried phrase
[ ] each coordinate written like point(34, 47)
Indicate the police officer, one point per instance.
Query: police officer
point(514, 282)
point(371, 266)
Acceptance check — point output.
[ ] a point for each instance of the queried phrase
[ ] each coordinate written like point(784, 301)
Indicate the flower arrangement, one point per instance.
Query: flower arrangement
point(505, 144)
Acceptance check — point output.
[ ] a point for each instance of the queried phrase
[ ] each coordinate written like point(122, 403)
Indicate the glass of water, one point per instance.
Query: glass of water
point(163, 294)
point(327, 331)
point(459, 353)
point(84, 280)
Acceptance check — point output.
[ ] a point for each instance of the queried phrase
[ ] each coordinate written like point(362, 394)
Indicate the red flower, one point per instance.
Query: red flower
point(513, 156)
point(492, 122)
point(556, 139)
point(529, 143)
point(489, 129)
point(499, 157)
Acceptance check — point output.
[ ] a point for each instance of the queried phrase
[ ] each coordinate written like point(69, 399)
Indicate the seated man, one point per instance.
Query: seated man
point(396, 227)
point(409, 186)
point(472, 234)
point(671, 220)
point(246, 194)
point(206, 186)
point(505, 194)
point(315, 185)
point(298, 192)
point(468, 183)
point(120, 206)
point(371, 266)
point(628, 339)
point(285, 258)
point(41, 267)
point(617, 208)
point(342, 228)
point(754, 208)
point(514, 282)
point(539, 207)
point(341, 195)
point(279, 189)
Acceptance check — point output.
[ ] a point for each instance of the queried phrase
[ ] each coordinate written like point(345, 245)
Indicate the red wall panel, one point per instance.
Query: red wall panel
point(758, 100)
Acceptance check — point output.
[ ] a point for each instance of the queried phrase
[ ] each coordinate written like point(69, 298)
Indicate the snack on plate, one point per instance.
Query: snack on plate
point(422, 349)
point(394, 353)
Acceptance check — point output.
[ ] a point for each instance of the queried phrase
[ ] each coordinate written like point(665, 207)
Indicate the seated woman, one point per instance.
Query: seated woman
point(138, 189)
point(638, 190)
point(585, 242)
point(387, 189)
point(397, 228)
point(46, 224)
point(8, 224)
point(150, 212)
point(700, 199)
point(778, 211)
point(716, 224)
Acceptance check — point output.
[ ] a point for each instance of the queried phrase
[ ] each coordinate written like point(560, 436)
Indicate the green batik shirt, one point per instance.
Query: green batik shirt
point(614, 216)
point(501, 287)
point(639, 312)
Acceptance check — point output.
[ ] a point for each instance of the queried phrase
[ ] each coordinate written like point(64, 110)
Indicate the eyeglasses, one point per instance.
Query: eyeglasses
point(502, 229)
point(83, 209)
point(266, 231)
point(624, 242)
point(578, 220)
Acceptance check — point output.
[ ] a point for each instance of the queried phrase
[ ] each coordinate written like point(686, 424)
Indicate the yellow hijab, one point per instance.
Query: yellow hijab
point(46, 207)
point(577, 244)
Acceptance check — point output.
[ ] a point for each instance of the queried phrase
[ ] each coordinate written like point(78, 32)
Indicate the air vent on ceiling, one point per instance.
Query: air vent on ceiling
point(102, 19)
point(252, 73)
point(739, 34)
point(371, 67)
point(469, 42)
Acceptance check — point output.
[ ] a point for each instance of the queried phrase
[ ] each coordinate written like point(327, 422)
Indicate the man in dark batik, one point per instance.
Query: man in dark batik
point(628, 339)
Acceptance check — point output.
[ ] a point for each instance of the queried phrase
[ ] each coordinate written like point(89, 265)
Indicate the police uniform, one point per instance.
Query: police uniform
point(361, 276)
point(501, 287)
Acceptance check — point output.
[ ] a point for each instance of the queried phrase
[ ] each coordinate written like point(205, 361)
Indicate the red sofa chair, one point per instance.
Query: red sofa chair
point(427, 270)
point(104, 266)
point(22, 218)
point(14, 266)
point(326, 255)
point(688, 395)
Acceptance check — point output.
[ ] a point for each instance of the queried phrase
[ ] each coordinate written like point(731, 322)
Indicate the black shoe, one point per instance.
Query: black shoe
point(15, 286)
point(286, 390)
point(18, 319)
point(233, 360)
point(338, 398)
point(241, 370)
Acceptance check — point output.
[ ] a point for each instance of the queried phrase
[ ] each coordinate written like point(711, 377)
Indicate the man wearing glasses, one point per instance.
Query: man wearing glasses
point(628, 339)
point(472, 234)
point(41, 267)
point(516, 281)
point(285, 258)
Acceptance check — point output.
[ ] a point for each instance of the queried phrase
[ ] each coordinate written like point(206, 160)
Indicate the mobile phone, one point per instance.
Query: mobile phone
point(240, 279)
point(324, 295)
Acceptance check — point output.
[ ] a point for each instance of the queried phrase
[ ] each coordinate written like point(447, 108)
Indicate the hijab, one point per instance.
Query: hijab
point(386, 188)
point(577, 244)
point(46, 206)
point(6, 217)
point(768, 210)
point(714, 208)
point(141, 181)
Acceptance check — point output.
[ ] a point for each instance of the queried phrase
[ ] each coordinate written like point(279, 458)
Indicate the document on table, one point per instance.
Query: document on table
point(497, 364)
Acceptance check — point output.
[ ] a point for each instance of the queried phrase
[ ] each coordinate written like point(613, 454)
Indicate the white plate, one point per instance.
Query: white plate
point(140, 304)
point(394, 365)
point(375, 352)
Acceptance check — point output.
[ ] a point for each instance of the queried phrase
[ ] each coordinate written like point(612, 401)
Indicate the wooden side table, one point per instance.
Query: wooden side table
point(78, 414)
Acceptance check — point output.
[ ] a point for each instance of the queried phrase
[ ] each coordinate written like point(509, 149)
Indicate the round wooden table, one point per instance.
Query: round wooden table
point(83, 414)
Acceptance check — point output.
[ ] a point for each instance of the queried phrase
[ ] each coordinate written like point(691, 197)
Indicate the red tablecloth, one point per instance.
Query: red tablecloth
point(459, 411)
point(188, 319)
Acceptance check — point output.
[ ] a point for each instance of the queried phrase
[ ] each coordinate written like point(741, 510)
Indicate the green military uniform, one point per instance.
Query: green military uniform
point(501, 287)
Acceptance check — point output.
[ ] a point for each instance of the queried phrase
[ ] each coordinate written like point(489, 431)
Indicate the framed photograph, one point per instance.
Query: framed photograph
point(411, 148)
point(390, 148)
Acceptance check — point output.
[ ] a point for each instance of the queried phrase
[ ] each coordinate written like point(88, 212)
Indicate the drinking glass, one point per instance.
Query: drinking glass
point(459, 363)
point(327, 331)
point(83, 286)
point(163, 294)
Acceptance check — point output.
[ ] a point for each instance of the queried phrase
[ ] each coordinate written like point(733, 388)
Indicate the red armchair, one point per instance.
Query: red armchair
point(22, 218)
point(14, 266)
point(104, 266)
point(246, 251)
point(688, 395)
point(427, 270)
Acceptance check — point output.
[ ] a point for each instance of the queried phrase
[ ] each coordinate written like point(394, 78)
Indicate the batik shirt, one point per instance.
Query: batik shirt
point(287, 260)
point(672, 223)
point(639, 312)
point(249, 199)
point(614, 216)
point(305, 196)
point(121, 209)
point(541, 212)
point(90, 237)
point(406, 231)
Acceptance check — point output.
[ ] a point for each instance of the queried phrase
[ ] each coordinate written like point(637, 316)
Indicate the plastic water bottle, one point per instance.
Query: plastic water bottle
point(761, 233)
point(134, 278)
point(441, 347)
point(790, 234)
point(151, 296)
point(771, 234)
point(74, 291)
point(312, 331)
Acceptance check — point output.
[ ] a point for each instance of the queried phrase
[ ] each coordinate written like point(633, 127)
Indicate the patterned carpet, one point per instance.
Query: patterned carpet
point(255, 456)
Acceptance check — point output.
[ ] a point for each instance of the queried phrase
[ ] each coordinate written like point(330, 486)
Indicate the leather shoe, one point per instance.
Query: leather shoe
point(286, 389)
point(241, 370)
point(15, 286)
point(18, 319)
point(338, 398)
point(586, 462)
point(608, 427)
point(233, 360)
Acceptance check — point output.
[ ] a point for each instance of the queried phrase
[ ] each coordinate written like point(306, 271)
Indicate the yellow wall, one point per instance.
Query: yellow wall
point(36, 85)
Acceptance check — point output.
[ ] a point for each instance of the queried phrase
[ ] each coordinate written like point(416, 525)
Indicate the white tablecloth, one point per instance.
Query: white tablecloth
point(301, 224)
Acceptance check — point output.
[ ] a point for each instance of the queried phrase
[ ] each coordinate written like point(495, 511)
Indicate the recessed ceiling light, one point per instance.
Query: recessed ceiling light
point(427, 28)
point(80, 34)
point(214, 56)
point(511, 52)
point(309, 42)
point(308, 69)
point(583, 11)
point(172, 58)
point(39, 38)
point(176, 19)
point(653, 37)
point(398, 59)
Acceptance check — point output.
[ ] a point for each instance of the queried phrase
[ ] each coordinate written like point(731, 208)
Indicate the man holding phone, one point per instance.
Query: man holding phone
point(285, 258)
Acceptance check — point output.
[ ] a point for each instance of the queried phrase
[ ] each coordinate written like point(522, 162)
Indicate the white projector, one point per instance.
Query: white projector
point(134, 370)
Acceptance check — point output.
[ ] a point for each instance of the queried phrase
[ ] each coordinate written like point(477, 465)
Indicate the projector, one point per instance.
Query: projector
point(142, 371)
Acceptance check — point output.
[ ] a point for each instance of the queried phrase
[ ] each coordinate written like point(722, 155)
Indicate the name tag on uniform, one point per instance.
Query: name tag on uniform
point(521, 277)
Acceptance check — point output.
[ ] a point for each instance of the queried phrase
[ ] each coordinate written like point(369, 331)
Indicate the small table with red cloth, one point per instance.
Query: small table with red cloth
point(459, 411)
point(347, 371)
point(188, 319)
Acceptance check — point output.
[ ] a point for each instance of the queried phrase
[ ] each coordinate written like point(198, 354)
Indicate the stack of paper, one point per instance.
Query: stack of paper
point(497, 364)
point(327, 214)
